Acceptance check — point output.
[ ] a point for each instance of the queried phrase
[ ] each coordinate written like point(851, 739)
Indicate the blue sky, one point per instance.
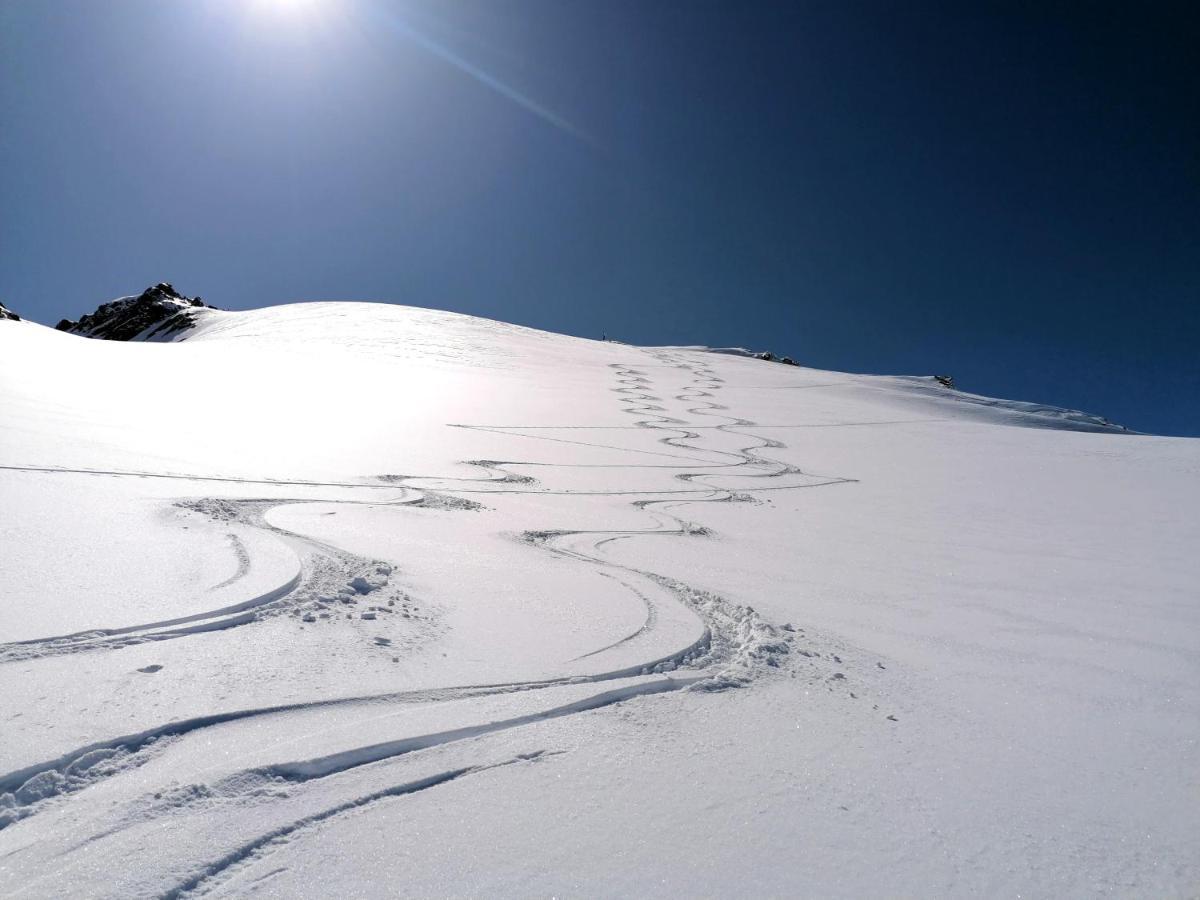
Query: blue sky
point(1003, 192)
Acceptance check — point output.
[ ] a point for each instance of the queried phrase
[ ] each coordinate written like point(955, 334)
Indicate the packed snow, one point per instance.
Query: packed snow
point(349, 599)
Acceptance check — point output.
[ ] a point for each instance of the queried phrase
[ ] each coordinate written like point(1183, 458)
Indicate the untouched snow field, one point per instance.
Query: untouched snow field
point(346, 599)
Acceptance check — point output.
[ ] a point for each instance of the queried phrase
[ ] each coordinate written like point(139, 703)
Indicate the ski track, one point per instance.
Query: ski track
point(198, 883)
point(243, 562)
point(735, 647)
point(646, 626)
point(327, 578)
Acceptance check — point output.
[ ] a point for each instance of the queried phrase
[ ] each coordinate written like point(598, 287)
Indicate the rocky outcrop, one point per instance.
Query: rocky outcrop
point(156, 314)
point(6, 313)
point(768, 356)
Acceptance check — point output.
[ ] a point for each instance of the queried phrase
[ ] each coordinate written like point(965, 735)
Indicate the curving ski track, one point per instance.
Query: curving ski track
point(736, 645)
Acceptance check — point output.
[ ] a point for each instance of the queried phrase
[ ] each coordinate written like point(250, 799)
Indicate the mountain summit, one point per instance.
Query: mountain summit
point(156, 313)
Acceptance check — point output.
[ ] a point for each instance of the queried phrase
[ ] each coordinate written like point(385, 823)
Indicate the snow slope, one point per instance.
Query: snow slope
point(344, 599)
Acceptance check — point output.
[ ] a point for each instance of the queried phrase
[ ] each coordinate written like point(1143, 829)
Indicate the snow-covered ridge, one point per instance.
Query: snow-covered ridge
point(940, 391)
point(161, 314)
point(6, 313)
point(765, 355)
point(157, 313)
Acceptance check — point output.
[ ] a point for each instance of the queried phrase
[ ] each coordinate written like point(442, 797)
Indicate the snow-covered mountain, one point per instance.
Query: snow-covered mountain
point(348, 599)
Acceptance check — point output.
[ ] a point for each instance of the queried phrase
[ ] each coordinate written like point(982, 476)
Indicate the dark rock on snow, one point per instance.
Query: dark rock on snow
point(6, 313)
point(155, 314)
point(768, 356)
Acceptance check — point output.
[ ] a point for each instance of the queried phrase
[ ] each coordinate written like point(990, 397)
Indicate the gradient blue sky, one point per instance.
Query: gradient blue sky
point(1003, 192)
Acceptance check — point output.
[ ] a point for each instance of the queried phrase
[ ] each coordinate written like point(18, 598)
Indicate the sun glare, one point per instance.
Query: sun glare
point(287, 9)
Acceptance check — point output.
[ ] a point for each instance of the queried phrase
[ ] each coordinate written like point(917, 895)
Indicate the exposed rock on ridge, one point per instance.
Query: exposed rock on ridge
point(155, 314)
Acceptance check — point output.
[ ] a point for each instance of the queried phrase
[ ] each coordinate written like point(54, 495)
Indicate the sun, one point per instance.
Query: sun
point(290, 6)
point(287, 9)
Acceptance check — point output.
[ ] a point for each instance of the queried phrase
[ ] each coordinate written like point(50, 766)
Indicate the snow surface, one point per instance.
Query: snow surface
point(344, 599)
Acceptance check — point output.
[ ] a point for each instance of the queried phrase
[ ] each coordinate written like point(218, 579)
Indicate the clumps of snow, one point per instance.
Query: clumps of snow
point(184, 795)
point(39, 787)
point(91, 759)
point(373, 579)
point(435, 500)
point(742, 644)
point(332, 586)
point(537, 538)
point(333, 582)
point(68, 777)
point(739, 497)
point(215, 508)
point(503, 477)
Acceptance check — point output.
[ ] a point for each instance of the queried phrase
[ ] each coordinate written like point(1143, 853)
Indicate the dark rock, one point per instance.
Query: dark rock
point(155, 314)
point(6, 313)
point(768, 356)
point(944, 380)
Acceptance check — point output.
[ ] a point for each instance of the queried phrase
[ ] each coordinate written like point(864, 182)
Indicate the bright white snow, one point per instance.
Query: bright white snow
point(344, 599)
